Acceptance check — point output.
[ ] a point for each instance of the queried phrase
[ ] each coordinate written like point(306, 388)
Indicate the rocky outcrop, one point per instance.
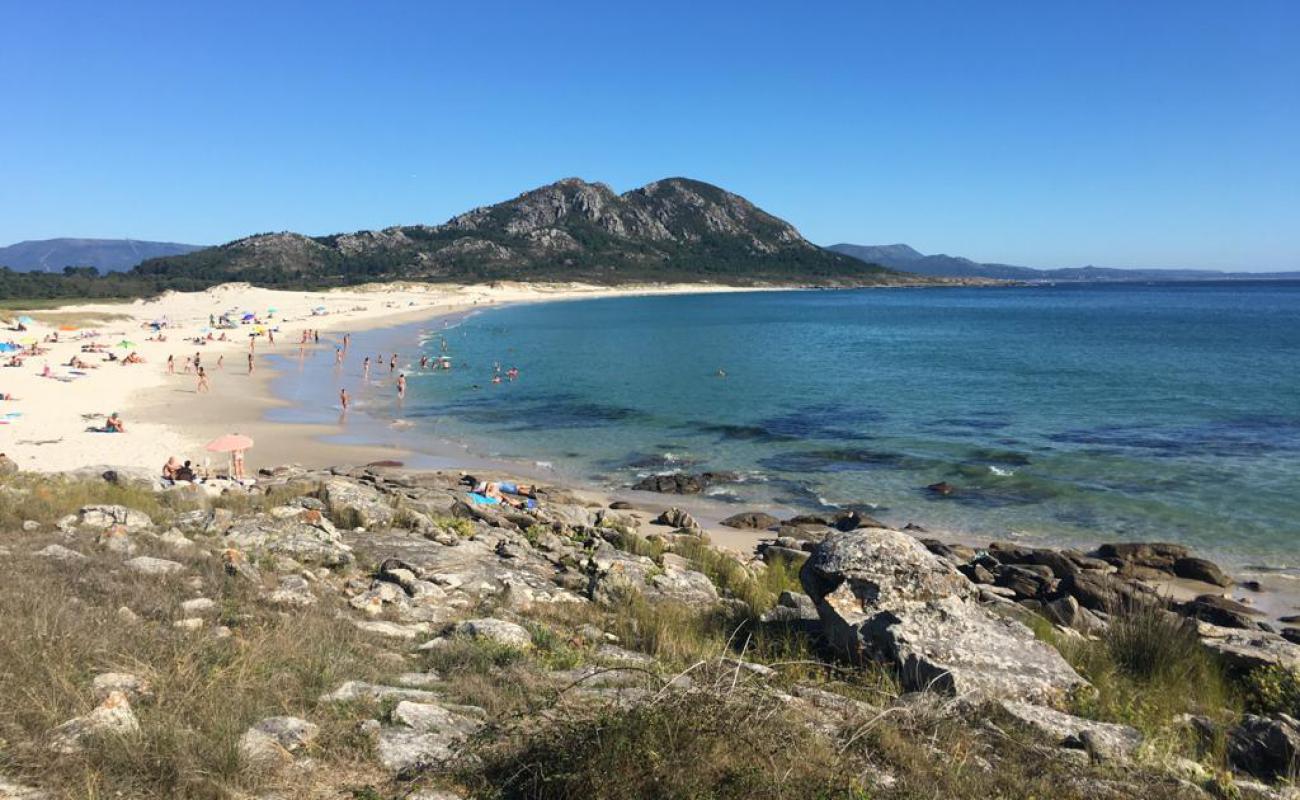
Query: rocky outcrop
point(681, 482)
point(113, 716)
point(750, 520)
point(1267, 747)
point(882, 596)
point(1102, 740)
point(306, 536)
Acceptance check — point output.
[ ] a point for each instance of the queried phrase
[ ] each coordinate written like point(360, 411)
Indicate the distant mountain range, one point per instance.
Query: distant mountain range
point(106, 255)
point(905, 258)
point(676, 229)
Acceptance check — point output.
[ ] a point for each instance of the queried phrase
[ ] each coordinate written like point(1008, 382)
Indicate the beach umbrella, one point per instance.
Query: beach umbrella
point(26, 320)
point(125, 343)
point(229, 443)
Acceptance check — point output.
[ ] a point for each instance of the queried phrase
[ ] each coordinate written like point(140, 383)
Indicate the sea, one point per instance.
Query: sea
point(1063, 414)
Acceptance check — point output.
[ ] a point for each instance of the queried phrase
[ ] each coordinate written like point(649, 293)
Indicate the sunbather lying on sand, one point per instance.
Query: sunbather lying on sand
point(507, 492)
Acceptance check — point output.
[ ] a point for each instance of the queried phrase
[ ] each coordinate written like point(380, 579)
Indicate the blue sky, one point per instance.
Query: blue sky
point(1039, 133)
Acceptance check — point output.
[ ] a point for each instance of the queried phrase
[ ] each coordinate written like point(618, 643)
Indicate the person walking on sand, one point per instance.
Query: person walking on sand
point(221, 360)
point(237, 465)
point(203, 382)
point(270, 336)
point(343, 399)
point(250, 363)
point(401, 385)
point(171, 365)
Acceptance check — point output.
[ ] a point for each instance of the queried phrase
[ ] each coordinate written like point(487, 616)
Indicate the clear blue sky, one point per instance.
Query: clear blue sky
point(1041, 133)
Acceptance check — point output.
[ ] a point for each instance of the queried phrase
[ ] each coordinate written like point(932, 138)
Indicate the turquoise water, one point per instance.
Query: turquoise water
point(1067, 414)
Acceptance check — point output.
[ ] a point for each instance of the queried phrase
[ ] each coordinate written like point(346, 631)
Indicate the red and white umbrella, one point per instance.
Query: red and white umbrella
point(230, 443)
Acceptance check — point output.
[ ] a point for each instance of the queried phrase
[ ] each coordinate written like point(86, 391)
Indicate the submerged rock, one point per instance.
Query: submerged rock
point(882, 596)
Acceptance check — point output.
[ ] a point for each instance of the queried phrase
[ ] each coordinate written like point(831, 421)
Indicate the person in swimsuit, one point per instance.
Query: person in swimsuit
point(203, 382)
point(401, 386)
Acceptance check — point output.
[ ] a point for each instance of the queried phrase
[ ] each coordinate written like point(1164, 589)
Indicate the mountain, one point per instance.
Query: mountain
point(106, 255)
point(903, 257)
point(675, 229)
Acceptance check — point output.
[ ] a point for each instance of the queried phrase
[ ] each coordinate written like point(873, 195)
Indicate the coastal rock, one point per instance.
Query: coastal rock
point(682, 483)
point(1104, 741)
point(677, 518)
point(1266, 747)
point(750, 520)
point(111, 717)
point(1222, 611)
point(1199, 569)
point(351, 691)
point(1152, 555)
point(106, 516)
point(881, 595)
point(7, 465)
point(357, 503)
point(1249, 649)
point(308, 538)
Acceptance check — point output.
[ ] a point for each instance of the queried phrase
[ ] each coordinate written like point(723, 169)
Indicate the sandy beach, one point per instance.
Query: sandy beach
point(49, 425)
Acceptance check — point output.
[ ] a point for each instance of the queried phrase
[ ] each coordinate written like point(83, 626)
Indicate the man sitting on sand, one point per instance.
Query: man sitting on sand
point(114, 424)
point(170, 469)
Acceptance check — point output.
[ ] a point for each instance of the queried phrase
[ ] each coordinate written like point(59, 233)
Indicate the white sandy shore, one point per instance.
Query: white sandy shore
point(46, 427)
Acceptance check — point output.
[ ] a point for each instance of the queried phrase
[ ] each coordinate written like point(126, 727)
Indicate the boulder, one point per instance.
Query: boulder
point(881, 595)
point(681, 482)
point(1104, 741)
point(496, 630)
point(1266, 747)
point(677, 518)
point(359, 504)
point(106, 516)
point(750, 520)
point(111, 717)
point(294, 591)
point(426, 735)
point(1199, 569)
point(1222, 611)
point(133, 687)
point(1248, 649)
point(309, 538)
point(1066, 612)
point(1153, 555)
point(275, 740)
point(148, 565)
point(59, 553)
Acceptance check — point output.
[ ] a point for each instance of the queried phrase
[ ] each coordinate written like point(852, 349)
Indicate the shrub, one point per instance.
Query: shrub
point(1273, 689)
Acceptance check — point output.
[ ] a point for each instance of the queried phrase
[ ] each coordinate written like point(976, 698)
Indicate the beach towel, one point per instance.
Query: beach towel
point(483, 500)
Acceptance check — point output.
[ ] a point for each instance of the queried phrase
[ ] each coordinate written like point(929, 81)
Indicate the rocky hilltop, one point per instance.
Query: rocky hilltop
point(675, 229)
point(372, 632)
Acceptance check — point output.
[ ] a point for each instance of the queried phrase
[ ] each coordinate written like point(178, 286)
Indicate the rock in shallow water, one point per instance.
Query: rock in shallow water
point(881, 595)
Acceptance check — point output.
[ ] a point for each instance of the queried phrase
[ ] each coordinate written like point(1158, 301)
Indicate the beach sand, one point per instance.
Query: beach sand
point(47, 428)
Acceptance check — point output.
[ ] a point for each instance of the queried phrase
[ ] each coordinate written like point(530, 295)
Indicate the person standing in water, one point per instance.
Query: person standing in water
point(343, 399)
point(401, 385)
point(392, 364)
point(365, 368)
point(338, 356)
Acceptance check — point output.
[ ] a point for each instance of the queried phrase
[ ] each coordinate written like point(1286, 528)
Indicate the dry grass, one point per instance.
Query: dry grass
point(61, 630)
point(46, 498)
